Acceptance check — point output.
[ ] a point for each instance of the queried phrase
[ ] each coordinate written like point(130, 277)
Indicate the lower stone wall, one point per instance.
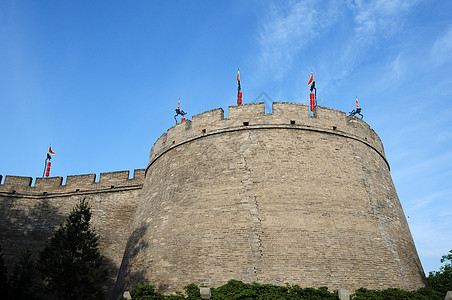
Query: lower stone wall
point(28, 221)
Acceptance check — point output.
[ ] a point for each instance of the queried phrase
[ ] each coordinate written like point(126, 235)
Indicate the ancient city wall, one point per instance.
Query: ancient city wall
point(270, 198)
point(29, 215)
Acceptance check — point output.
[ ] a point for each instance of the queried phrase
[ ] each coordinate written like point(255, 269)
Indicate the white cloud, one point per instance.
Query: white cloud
point(422, 202)
point(374, 17)
point(442, 48)
point(445, 213)
point(288, 28)
point(432, 236)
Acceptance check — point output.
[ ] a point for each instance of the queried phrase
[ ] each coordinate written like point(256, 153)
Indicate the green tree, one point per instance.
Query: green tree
point(71, 262)
point(441, 280)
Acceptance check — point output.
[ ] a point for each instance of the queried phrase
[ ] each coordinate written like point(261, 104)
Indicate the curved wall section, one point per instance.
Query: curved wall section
point(270, 198)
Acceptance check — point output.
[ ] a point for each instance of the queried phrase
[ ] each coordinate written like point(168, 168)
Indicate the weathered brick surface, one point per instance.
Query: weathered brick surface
point(285, 198)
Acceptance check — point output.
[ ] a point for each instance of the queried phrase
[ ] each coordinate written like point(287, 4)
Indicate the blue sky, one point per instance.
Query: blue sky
point(100, 81)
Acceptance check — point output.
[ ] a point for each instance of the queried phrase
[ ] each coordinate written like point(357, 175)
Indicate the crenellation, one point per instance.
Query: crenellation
point(84, 182)
point(48, 183)
point(18, 181)
point(113, 178)
point(178, 133)
point(81, 180)
point(286, 112)
point(245, 113)
point(138, 174)
point(328, 117)
point(295, 115)
point(207, 119)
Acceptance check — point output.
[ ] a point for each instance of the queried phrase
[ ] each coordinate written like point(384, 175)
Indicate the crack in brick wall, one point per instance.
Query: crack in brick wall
point(250, 204)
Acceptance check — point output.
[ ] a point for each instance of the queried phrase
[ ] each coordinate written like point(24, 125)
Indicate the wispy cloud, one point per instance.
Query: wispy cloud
point(432, 237)
point(442, 48)
point(289, 27)
point(378, 16)
point(421, 202)
point(423, 167)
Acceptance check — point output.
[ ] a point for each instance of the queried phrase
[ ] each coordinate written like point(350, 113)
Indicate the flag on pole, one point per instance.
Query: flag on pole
point(178, 104)
point(239, 88)
point(311, 79)
point(47, 162)
point(357, 106)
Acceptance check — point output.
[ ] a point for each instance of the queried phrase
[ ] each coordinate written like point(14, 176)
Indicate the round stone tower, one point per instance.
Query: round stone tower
point(270, 198)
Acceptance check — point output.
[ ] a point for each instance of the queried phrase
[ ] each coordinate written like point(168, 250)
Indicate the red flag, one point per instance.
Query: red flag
point(239, 88)
point(178, 104)
point(50, 150)
point(311, 79)
point(48, 169)
point(357, 106)
point(311, 96)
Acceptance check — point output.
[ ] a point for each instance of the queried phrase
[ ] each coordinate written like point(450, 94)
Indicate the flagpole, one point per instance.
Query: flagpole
point(45, 165)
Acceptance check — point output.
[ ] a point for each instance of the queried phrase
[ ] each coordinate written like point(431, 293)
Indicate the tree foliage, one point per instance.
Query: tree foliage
point(237, 290)
point(71, 262)
point(441, 280)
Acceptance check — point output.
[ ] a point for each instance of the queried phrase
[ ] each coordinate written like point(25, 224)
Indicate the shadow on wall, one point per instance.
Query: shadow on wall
point(126, 277)
point(26, 229)
point(22, 229)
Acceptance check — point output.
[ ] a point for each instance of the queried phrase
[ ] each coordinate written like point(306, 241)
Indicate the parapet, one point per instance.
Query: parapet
point(253, 116)
point(74, 183)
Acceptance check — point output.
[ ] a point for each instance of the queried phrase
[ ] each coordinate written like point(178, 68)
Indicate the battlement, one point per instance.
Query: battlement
point(252, 116)
point(74, 183)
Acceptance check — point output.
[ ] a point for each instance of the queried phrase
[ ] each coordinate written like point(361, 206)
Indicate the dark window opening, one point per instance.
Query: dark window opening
point(334, 127)
point(292, 122)
point(203, 131)
point(246, 123)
